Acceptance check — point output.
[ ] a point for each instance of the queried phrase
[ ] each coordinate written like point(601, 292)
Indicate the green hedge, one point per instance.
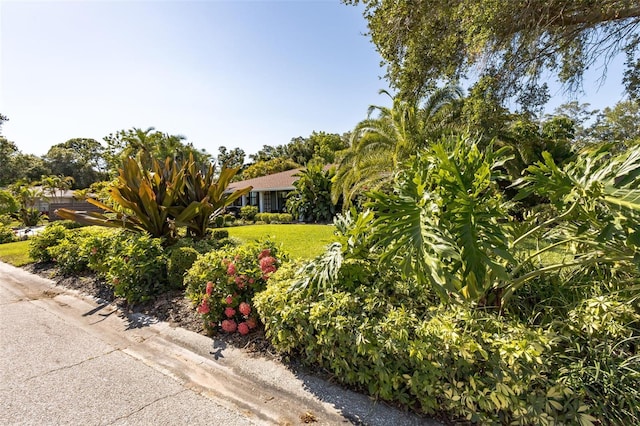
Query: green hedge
point(378, 334)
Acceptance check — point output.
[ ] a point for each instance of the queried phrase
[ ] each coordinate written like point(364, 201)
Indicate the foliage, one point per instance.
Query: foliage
point(159, 200)
point(222, 284)
point(375, 334)
point(620, 123)
point(387, 335)
point(8, 202)
point(149, 201)
point(447, 225)
point(311, 200)
point(79, 158)
point(233, 159)
point(206, 190)
point(6, 234)
point(50, 236)
point(441, 222)
point(431, 41)
point(134, 264)
point(71, 253)
point(274, 218)
point(268, 167)
point(319, 146)
point(51, 185)
point(249, 213)
point(148, 145)
point(379, 144)
point(180, 260)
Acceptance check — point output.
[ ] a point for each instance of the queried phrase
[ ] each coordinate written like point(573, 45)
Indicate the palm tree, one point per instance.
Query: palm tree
point(379, 144)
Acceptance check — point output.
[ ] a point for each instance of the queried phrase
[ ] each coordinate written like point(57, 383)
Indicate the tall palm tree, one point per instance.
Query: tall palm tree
point(380, 143)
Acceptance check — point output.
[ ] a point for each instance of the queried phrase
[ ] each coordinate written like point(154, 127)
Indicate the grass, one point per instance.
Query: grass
point(16, 253)
point(300, 241)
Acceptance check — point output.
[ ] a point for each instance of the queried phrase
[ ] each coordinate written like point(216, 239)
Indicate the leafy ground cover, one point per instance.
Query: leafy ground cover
point(16, 253)
point(300, 241)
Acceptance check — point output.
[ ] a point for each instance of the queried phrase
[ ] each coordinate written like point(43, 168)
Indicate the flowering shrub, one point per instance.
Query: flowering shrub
point(222, 283)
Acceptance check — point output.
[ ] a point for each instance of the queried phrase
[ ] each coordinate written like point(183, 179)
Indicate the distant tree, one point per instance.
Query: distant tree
point(269, 153)
point(579, 114)
point(620, 123)
point(149, 144)
point(428, 41)
point(80, 158)
point(268, 167)
point(16, 166)
point(231, 159)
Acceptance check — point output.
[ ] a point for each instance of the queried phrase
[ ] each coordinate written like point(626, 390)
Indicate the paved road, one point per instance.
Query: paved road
point(70, 359)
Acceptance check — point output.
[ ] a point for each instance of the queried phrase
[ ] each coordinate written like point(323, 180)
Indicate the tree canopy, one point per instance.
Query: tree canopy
point(427, 41)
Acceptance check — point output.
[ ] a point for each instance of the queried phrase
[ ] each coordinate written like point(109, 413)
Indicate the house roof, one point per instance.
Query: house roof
point(282, 181)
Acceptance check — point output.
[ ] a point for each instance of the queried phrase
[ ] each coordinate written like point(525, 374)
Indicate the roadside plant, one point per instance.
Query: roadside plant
point(222, 283)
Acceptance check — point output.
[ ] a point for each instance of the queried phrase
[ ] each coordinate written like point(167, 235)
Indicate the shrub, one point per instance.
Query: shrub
point(180, 260)
point(285, 217)
point(68, 224)
point(389, 337)
point(70, 253)
point(248, 213)
point(274, 218)
point(137, 267)
point(218, 221)
point(220, 234)
point(50, 236)
point(222, 284)
point(229, 219)
point(264, 217)
point(6, 234)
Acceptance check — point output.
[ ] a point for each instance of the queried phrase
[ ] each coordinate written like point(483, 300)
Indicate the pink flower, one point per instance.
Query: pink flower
point(251, 280)
point(251, 322)
point(229, 326)
point(243, 328)
point(267, 265)
point(209, 288)
point(229, 300)
point(229, 312)
point(204, 307)
point(244, 309)
point(231, 269)
point(264, 253)
point(94, 250)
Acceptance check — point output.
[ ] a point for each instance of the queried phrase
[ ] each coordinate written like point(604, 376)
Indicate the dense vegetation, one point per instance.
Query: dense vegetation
point(486, 261)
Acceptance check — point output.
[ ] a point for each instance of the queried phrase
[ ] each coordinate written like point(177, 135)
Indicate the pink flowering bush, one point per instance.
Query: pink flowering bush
point(222, 283)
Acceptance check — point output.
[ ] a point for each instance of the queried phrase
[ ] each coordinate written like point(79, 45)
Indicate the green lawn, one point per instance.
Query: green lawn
point(300, 241)
point(16, 253)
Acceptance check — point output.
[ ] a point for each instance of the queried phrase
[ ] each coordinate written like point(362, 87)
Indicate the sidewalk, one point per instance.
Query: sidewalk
point(68, 359)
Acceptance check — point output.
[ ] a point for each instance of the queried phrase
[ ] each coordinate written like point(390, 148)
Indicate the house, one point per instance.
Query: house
point(269, 192)
point(45, 197)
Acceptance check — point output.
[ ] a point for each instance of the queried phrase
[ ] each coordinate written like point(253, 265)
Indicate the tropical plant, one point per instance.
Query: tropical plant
point(159, 200)
point(311, 200)
point(208, 190)
point(149, 201)
point(447, 225)
point(379, 144)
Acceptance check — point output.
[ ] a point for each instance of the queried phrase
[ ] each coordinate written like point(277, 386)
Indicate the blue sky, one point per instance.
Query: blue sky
point(234, 73)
